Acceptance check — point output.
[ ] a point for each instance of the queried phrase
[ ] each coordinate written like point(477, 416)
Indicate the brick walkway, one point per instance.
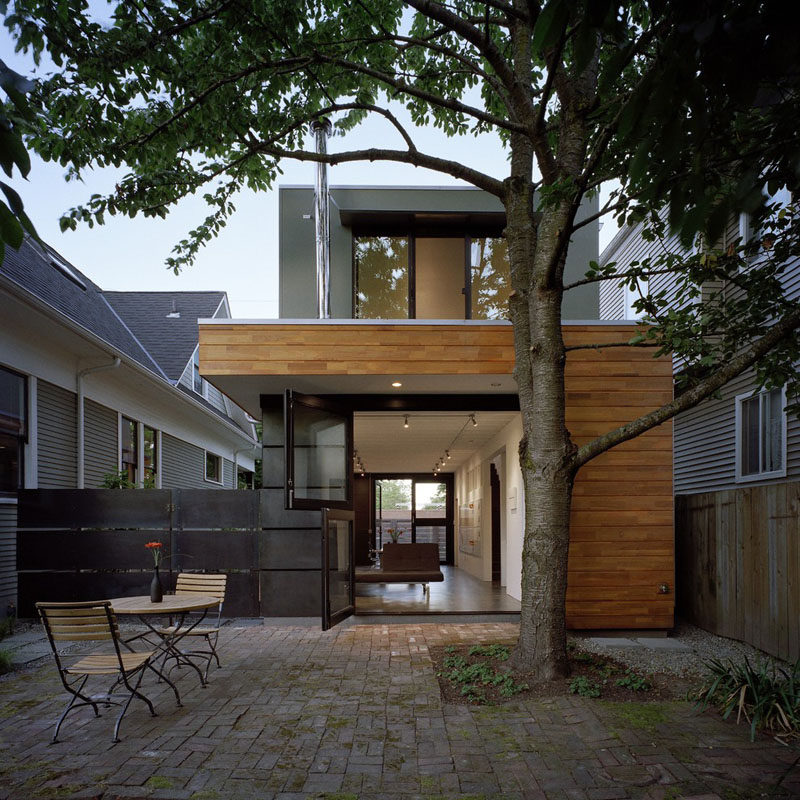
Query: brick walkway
point(356, 713)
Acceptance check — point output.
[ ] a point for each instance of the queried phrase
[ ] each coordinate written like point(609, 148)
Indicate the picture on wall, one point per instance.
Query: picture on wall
point(469, 528)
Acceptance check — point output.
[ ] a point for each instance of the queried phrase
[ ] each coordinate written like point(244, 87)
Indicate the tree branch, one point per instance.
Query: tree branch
point(611, 344)
point(691, 397)
point(644, 274)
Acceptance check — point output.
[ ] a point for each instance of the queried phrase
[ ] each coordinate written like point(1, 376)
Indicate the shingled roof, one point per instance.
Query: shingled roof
point(38, 270)
point(166, 323)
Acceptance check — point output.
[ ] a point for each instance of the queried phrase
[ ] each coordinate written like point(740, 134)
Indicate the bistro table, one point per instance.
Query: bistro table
point(176, 606)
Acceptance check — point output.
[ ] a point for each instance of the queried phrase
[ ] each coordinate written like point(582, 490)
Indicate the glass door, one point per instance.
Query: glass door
point(338, 579)
point(319, 453)
point(430, 518)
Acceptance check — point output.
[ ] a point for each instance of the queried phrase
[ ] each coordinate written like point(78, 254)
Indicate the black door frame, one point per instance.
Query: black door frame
point(446, 478)
point(330, 619)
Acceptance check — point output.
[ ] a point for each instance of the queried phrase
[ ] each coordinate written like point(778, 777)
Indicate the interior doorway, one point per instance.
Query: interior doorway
point(414, 509)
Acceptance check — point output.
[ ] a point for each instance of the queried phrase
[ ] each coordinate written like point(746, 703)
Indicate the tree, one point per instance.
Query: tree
point(211, 95)
point(13, 219)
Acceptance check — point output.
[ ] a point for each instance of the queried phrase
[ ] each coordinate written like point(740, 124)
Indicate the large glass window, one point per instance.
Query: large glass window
point(12, 429)
point(490, 276)
point(761, 434)
point(381, 277)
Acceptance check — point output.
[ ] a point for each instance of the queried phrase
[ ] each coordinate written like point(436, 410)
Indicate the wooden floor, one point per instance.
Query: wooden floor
point(459, 593)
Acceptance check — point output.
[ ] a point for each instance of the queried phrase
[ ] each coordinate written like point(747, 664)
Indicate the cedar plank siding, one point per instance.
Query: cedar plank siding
point(622, 515)
point(57, 420)
point(100, 443)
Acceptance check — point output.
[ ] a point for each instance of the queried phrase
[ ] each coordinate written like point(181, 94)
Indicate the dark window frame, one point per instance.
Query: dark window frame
point(21, 436)
point(219, 481)
point(412, 234)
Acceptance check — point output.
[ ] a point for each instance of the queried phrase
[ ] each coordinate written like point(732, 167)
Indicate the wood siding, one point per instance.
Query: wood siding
point(58, 440)
point(622, 517)
point(739, 564)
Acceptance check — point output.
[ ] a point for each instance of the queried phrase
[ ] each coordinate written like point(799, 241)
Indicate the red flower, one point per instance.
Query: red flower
point(155, 549)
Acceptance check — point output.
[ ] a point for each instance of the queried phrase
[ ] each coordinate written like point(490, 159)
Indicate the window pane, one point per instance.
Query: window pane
point(430, 500)
point(393, 510)
point(321, 463)
point(150, 457)
point(128, 447)
point(212, 467)
point(749, 434)
point(491, 278)
point(12, 402)
point(772, 410)
point(339, 565)
point(381, 267)
point(10, 462)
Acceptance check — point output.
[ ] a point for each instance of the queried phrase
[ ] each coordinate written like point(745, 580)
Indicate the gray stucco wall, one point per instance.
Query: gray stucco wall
point(296, 243)
point(100, 443)
point(57, 442)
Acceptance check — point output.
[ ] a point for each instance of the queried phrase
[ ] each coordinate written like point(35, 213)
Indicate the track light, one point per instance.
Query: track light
point(447, 453)
point(405, 420)
point(473, 420)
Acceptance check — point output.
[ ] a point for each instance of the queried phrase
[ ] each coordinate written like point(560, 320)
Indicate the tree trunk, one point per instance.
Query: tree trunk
point(546, 450)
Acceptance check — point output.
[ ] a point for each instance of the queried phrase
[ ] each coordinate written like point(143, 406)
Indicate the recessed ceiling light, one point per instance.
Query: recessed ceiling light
point(495, 384)
point(397, 384)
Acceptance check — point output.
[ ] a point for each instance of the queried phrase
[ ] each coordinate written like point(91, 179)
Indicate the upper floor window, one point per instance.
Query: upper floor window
point(198, 382)
point(13, 429)
point(631, 296)
point(430, 277)
point(760, 435)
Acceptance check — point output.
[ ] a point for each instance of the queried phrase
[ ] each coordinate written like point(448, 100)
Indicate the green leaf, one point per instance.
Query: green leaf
point(10, 230)
point(549, 25)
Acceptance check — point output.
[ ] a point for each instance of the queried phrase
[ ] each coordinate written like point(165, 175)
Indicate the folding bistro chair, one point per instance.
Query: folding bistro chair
point(93, 621)
point(210, 585)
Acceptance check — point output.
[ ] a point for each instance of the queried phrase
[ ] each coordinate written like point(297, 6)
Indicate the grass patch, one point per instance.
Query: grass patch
point(475, 675)
point(159, 782)
point(5, 662)
point(642, 716)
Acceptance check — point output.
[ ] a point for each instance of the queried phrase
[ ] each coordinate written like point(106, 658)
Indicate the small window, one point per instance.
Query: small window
point(760, 435)
point(129, 456)
point(213, 468)
point(13, 430)
point(198, 383)
point(150, 457)
point(631, 296)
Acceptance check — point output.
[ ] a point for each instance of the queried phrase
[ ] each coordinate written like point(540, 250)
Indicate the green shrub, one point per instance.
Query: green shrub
point(5, 662)
point(583, 687)
point(765, 695)
point(116, 480)
point(636, 683)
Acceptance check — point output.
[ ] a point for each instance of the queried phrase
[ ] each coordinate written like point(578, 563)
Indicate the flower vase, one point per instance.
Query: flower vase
point(156, 590)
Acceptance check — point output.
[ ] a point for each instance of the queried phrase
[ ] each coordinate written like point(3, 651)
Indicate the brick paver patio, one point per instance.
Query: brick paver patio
point(355, 713)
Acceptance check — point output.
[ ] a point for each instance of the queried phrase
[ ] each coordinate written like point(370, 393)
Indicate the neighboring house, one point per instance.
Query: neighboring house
point(413, 372)
point(737, 480)
point(94, 383)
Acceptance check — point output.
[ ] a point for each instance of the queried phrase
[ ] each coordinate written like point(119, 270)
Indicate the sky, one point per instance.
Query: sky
point(128, 254)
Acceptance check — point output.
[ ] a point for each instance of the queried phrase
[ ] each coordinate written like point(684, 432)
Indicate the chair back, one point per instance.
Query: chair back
point(196, 583)
point(78, 622)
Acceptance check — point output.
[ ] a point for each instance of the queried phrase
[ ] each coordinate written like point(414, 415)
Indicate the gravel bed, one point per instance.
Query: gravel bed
point(682, 663)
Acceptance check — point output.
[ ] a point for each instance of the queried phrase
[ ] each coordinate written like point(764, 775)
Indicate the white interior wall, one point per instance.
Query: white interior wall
point(502, 450)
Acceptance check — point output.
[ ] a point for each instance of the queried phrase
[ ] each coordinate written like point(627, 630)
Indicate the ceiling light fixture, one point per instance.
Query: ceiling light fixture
point(473, 420)
point(405, 420)
point(396, 384)
point(447, 453)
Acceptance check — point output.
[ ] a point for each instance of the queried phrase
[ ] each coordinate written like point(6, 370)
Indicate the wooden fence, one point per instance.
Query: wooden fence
point(738, 564)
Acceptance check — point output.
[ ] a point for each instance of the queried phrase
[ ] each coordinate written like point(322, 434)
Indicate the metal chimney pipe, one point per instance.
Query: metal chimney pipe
point(322, 227)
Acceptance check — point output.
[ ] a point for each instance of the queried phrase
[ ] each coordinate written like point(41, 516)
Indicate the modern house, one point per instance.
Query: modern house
point(98, 387)
point(737, 481)
point(387, 384)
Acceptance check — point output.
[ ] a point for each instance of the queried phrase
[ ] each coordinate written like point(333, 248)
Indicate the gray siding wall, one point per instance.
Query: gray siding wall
point(8, 556)
point(100, 443)
point(228, 478)
point(57, 421)
point(184, 467)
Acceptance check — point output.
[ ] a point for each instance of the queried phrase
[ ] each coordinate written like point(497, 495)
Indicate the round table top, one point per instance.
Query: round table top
point(171, 604)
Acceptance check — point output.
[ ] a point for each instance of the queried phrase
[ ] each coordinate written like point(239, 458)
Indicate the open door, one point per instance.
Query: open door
point(338, 579)
point(319, 476)
point(319, 453)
